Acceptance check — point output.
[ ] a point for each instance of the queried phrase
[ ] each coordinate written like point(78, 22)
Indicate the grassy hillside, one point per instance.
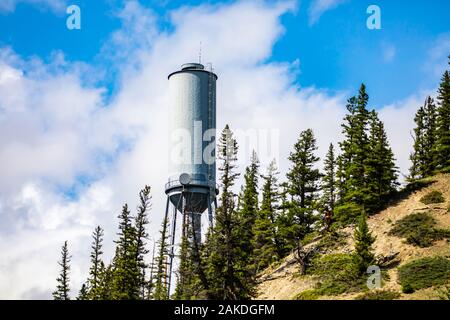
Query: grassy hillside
point(412, 246)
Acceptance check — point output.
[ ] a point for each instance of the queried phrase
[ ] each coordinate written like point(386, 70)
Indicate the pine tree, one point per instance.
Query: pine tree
point(153, 270)
point(94, 272)
point(424, 154)
point(363, 244)
point(284, 222)
point(381, 172)
point(105, 282)
point(443, 125)
point(228, 276)
point(266, 244)
point(161, 280)
point(248, 210)
point(340, 180)
point(83, 294)
point(303, 182)
point(355, 149)
point(126, 271)
point(63, 289)
point(329, 186)
point(430, 137)
point(140, 223)
point(417, 157)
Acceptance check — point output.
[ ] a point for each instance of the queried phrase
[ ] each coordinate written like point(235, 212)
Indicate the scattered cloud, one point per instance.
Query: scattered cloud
point(318, 7)
point(389, 52)
point(54, 5)
point(438, 55)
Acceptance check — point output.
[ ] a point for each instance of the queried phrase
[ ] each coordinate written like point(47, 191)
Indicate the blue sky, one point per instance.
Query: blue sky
point(84, 117)
point(337, 52)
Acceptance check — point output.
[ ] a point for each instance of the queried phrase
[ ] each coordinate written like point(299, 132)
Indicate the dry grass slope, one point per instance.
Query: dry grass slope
point(281, 282)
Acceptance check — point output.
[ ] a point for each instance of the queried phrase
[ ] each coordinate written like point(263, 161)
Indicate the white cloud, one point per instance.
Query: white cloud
point(55, 5)
point(54, 128)
point(437, 59)
point(318, 7)
point(389, 52)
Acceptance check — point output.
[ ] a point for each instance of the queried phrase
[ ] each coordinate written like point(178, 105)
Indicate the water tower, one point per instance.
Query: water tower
point(191, 188)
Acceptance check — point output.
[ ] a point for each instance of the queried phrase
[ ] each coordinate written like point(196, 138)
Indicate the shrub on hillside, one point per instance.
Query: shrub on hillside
point(424, 273)
point(433, 197)
point(347, 213)
point(379, 295)
point(308, 295)
point(419, 229)
point(337, 273)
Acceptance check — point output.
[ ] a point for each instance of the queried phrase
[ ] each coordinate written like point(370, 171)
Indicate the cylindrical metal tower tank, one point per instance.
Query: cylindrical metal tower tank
point(192, 119)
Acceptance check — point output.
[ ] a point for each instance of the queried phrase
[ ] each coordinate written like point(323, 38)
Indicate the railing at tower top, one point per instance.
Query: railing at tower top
point(193, 182)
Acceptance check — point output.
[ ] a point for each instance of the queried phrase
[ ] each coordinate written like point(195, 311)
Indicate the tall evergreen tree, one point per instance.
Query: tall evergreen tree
point(443, 124)
point(303, 182)
point(363, 244)
point(329, 185)
point(228, 276)
point(153, 270)
point(418, 156)
point(140, 223)
point(424, 154)
point(430, 143)
point(248, 210)
point(340, 180)
point(96, 262)
point(126, 271)
point(161, 280)
point(83, 294)
point(380, 172)
point(284, 222)
point(63, 289)
point(355, 149)
point(105, 282)
point(266, 243)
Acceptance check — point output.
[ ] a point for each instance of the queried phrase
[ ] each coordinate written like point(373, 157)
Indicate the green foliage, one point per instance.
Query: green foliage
point(228, 274)
point(363, 245)
point(93, 290)
point(161, 292)
point(407, 288)
point(307, 295)
point(83, 294)
point(328, 199)
point(338, 273)
point(266, 241)
point(367, 175)
point(443, 125)
point(418, 229)
point(381, 171)
point(424, 273)
point(303, 187)
point(379, 295)
point(248, 213)
point(424, 153)
point(140, 222)
point(125, 266)
point(444, 292)
point(62, 289)
point(433, 197)
point(331, 240)
point(347, 212)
